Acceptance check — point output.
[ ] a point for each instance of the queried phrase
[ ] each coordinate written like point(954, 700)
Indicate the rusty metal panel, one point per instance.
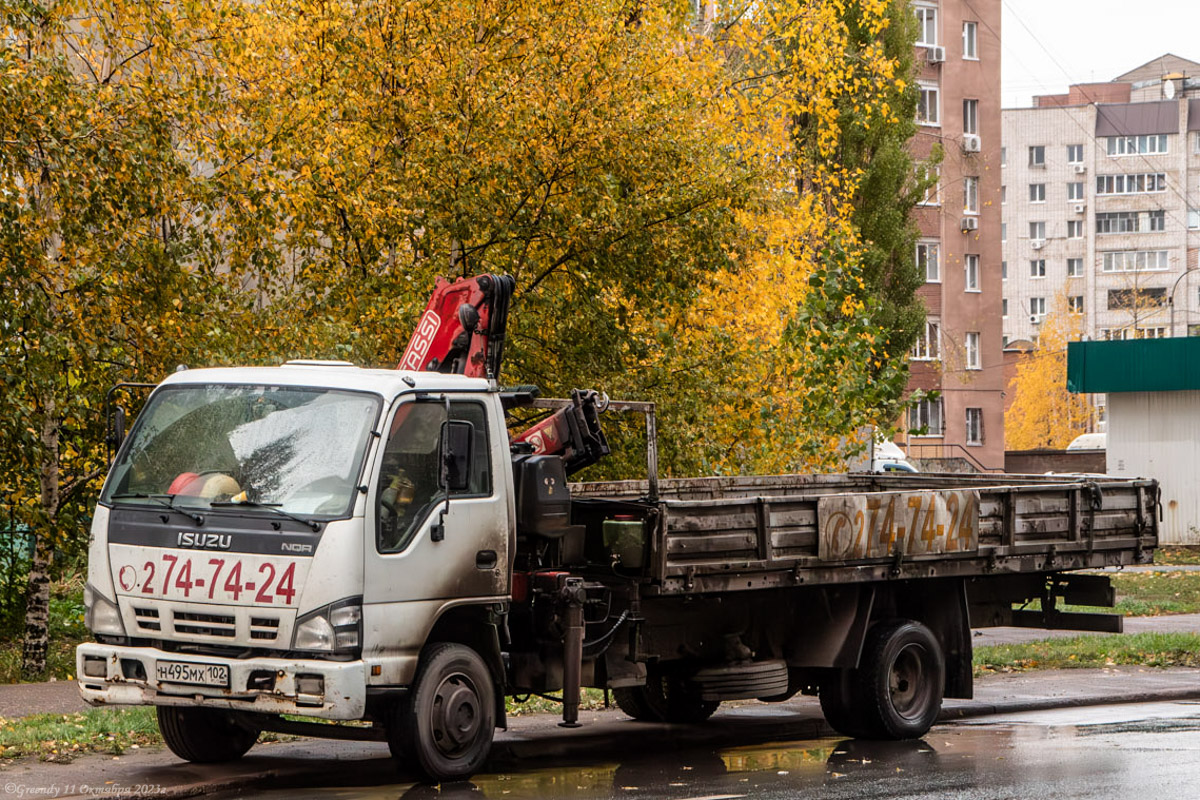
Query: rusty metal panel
point(872, 526)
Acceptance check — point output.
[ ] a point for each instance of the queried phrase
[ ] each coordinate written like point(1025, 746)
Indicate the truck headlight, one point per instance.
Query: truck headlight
point(334, 628)
point(101, 615)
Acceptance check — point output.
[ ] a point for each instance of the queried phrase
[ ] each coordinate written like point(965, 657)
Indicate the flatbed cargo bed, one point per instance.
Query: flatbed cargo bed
point(743, 533)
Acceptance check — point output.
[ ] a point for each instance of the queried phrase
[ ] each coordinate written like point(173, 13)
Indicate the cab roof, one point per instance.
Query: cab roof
point(330, 375)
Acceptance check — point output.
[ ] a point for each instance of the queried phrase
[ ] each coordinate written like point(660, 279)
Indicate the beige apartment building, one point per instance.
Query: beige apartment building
point(960, 354)
point(1101, 195)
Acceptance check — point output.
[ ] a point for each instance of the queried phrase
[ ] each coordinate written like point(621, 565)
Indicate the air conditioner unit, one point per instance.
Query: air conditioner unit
point(1037, 244)
point(935, 55)
point(972, 143)
point(1079, 208)
point(1080, 169)
point(1035, 319)
point(970, 224)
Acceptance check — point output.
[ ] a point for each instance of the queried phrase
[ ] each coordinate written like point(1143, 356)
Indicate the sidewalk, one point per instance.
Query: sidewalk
point(605, 735)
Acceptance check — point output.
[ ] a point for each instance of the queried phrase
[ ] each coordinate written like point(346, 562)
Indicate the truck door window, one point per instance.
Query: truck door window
point(408, 480)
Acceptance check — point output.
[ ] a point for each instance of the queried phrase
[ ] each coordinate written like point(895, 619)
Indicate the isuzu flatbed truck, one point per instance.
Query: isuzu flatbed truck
point(341, 544)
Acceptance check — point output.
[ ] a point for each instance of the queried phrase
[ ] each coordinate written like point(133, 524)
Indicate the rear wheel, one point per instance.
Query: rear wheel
point(445, 728)
point(666, 697)
point(838, 703)
point(899, 686)
point(206, 735)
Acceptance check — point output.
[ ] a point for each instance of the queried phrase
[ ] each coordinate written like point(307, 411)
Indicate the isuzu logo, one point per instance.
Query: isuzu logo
point(295, 547)
point(205, 541)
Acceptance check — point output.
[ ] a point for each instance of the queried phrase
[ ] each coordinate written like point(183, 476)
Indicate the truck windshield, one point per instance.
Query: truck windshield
point(296, 449)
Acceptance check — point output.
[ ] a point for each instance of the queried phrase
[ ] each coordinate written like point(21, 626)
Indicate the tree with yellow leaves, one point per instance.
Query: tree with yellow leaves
point(232, 182)
point(1043, 413)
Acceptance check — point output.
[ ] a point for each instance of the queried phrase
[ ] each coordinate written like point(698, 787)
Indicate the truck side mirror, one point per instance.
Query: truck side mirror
point(116, 431)
point(454, 456)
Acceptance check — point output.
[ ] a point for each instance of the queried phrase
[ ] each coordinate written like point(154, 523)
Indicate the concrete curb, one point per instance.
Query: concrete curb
point(613, 736)
point(969, 709)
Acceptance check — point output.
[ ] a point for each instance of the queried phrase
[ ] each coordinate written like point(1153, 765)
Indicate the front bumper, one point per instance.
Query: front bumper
point(326, 689)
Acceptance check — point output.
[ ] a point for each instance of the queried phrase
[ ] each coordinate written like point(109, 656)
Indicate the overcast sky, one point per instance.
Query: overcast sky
point(1050, 44)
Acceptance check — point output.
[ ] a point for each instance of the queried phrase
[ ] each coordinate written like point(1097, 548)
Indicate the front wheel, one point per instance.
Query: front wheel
point(445, 727)
point(206, 735)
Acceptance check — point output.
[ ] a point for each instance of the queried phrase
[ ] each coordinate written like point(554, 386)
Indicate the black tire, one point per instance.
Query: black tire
point(666, 697)
point(838, 703)
point(899, 684)
point(206, 735)
point(445, 728)
point(632, 700)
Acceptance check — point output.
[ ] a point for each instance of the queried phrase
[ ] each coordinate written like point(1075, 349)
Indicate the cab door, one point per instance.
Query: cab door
point(413, 569)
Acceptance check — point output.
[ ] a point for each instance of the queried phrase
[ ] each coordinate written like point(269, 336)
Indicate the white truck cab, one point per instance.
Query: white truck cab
point(282, 541)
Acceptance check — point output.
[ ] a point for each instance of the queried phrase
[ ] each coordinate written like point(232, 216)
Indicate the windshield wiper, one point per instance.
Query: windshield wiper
point(167, 500)
point(272, 507)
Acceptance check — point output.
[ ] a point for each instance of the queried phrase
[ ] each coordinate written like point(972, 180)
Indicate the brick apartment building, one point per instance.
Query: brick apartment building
point(960, 354)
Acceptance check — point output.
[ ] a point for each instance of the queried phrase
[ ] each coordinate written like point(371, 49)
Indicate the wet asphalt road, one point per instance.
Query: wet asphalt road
point(1118, 752)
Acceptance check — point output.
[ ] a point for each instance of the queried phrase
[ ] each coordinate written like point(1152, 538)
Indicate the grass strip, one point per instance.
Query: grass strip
point(63, 737)
point(1137, 649)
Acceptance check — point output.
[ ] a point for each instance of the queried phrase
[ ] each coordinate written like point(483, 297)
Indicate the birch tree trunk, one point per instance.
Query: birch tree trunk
point(37, 596)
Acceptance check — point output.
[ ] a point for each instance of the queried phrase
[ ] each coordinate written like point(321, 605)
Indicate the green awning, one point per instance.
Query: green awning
point(1136, 365)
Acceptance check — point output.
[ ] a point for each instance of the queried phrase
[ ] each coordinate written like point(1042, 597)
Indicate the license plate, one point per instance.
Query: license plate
point(193, 674)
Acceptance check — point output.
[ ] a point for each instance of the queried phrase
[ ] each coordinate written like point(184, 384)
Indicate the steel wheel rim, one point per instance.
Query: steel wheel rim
point(456, 716)
point(908, 688)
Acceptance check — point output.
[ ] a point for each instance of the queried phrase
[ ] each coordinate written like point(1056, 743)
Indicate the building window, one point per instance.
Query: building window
point(1074, 267)
point(931, 175)
point(1151, 333)
point(1037, 307)
point(975, 426)
point(1037, 268)
point(1003, 270)
point(927, 261)
point(1137, 183)
point(1004, 154)
point(1074, 154)
point(971, 195)
point(1196, 147)
point(1037, 231)
point(1074, 229)
point(972, 347)
point(1136, 145)
point(1193, 218)
point(1004, 307)
point(927, 105)
point(1004, 231)
point(925, 416)
point(970, 32)
point(1135, 261)
point(971, 266)
point(1075, 191)
point(970, 116)
point(1037, 156)
point(927, 25)
point(929, 344)
point(1157, 219)
point(1117, 222)
point(1075, 304)
point(1133, 299)
point(1037, 192)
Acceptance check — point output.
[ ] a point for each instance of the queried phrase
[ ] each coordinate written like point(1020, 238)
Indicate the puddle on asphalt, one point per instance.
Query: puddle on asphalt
point(1100, 753)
